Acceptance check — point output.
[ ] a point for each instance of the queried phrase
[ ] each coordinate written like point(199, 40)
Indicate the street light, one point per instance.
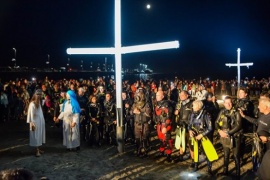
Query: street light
point(48, 61)
point(91, 66)
point(14, 59)
point(68, 62)
point(82, 64)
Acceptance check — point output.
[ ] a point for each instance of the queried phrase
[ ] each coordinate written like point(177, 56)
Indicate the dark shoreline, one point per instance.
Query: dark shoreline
point(7, 76)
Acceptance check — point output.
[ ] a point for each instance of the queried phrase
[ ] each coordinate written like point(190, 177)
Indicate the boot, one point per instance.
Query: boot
point(195, 167)
point(178, 158)
point(192, 165)
point(226, 163)
point(225, 171)
point(237, 167)
point(168, 158)
point(209, 170)
point(160, 154)
point(137, 151)
point(144, 149)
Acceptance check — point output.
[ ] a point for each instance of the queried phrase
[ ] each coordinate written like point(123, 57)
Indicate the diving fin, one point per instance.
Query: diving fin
point(183, 139)
point(195, 150)
point(178, 138)
point(209, 149)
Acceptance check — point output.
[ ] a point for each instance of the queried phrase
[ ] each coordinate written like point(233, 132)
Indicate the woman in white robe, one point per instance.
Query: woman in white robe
point(70, 115)
point(36, 122)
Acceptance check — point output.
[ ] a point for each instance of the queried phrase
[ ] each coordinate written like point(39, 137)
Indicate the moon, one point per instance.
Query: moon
point(148, 6)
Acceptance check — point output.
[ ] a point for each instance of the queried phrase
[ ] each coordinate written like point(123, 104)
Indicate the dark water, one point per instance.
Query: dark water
point(6, 76)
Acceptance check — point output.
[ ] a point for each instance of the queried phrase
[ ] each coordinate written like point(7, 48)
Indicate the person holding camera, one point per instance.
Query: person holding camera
point(262, 134)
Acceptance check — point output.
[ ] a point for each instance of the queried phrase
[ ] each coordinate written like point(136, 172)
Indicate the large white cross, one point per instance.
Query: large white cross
point(238, 64)
point(118, 50)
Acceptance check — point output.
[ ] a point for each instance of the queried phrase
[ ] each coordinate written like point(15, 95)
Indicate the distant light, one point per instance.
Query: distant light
point(148, 6)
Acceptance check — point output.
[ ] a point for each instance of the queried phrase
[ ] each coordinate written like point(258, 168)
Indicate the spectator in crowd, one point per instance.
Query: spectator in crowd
point(3, 105)
point(16, 174)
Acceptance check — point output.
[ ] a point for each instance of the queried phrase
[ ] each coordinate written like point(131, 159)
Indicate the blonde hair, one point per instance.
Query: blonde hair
point(198, 104)
point(81, 90)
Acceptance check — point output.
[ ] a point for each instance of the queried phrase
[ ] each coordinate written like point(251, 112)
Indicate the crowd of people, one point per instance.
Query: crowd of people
point(86, 110)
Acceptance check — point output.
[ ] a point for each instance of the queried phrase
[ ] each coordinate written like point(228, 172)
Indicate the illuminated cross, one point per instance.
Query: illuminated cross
point(118, 50)
point(238, 64)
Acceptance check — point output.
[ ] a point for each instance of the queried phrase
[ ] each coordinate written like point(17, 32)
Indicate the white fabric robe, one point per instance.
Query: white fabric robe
point(71, 136)
point(35, 115)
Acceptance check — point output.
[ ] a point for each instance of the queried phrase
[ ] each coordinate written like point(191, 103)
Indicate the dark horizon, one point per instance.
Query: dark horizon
point(209, 34)
point(132, 77)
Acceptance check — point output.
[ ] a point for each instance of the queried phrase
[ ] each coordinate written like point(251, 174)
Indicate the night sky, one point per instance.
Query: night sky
point(209, 33)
